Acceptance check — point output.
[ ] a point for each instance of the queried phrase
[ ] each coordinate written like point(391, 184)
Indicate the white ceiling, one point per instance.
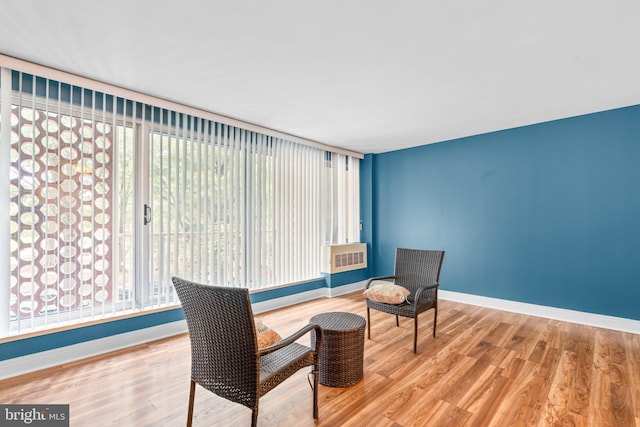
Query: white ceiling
point(366, 75)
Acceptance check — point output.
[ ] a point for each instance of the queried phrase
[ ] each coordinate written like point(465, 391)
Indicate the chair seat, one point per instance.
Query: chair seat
point(282, 363)
point(406, 309)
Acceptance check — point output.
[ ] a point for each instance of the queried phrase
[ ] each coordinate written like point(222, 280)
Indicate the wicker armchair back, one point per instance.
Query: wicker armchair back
point(225, 358)
point(418, 271)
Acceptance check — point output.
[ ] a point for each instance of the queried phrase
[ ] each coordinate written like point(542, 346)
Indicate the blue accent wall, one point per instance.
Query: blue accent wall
point(40, 343)
point(345, 278)
point(366, 207)
point(546, 214)
point(287, 290)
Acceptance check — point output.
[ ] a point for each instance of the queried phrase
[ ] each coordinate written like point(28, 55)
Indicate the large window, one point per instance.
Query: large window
point(108, 198)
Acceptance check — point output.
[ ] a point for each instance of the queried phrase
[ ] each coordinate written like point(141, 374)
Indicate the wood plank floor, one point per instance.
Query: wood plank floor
point(485, 368)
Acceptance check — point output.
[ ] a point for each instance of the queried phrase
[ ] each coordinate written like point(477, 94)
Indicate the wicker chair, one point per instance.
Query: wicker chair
point(225, 358)
point(419, 272)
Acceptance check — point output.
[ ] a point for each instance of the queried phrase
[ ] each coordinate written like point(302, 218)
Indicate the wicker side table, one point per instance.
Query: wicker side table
point(342, 353)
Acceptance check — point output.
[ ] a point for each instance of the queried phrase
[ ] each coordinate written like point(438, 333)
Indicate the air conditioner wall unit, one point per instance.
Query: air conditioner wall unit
point(345, 257)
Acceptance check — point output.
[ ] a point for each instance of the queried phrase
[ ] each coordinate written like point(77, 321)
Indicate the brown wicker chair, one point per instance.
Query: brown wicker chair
point(419, 272)
point(225, 358)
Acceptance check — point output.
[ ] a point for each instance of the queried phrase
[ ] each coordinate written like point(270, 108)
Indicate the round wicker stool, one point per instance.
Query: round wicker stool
point(342, 351)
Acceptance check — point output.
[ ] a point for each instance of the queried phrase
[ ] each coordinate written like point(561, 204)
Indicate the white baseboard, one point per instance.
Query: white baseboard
point(59, 356)
point(275, 303)
point(347, 289)
point(572, 316)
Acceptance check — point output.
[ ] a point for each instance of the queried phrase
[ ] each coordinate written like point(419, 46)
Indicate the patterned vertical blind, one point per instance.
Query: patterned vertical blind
point(70, 248)
point(224, 205)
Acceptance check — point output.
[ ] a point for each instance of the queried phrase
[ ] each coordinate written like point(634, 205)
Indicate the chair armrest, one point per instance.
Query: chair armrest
point(421, 289)
point(293, 338)
point(377, 278)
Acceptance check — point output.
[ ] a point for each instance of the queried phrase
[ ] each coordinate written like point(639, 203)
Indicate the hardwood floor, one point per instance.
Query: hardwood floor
point(485, 368)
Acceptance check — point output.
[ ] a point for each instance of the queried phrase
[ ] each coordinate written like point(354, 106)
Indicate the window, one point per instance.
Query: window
point(70, 205)
point(108, 198)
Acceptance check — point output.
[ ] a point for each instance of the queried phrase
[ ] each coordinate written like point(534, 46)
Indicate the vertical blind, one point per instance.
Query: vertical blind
point(110, 197)
point(70, 203)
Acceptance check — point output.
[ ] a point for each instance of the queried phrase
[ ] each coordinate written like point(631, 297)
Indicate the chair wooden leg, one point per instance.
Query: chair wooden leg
point(315, 392)
point(192, 395)
point(435, 318)
point(368, 324)
point(254, 416)
point(415, 334)
point(397, 322)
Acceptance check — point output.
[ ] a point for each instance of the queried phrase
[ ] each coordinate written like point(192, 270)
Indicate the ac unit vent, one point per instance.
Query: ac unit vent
point(347, 257)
